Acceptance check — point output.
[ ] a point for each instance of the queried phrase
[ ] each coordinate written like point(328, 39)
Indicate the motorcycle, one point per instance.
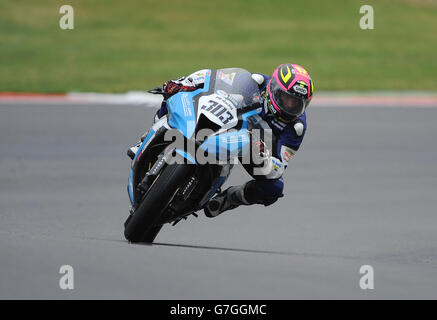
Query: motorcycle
point(170, 181)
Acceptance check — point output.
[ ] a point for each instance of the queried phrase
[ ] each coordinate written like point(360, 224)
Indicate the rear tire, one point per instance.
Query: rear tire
point(141, 226)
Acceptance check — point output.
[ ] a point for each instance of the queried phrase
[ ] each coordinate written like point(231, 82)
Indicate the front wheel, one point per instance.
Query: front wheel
point(141, 226)
point(151, 234)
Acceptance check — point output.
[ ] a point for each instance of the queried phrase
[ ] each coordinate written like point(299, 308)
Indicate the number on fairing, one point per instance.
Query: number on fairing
point(218, 110)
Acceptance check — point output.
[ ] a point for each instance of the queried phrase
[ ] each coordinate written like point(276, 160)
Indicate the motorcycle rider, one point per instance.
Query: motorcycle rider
point(285, 96)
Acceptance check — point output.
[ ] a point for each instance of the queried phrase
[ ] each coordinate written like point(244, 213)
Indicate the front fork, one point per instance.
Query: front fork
point(144, 182)
point(139, 161)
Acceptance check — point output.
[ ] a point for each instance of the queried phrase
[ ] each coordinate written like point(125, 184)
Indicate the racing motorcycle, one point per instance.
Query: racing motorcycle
point(168, 181)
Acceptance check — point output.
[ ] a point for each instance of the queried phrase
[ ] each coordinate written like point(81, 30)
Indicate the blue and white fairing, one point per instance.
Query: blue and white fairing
point(181, 109)
point(227, 99)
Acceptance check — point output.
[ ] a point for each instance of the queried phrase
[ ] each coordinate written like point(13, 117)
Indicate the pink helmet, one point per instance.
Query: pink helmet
point(289, 91)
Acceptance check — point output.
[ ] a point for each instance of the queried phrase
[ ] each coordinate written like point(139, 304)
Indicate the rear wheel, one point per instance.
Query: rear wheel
point(141, 226)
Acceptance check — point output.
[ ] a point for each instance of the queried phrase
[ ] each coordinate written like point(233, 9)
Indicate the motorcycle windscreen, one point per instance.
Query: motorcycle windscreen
point(238, 84)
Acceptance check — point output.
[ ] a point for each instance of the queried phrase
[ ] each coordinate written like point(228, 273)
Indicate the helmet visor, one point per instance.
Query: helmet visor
point(291, 106)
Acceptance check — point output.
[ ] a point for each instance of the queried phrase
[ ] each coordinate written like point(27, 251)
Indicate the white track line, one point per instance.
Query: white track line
point(325, 99)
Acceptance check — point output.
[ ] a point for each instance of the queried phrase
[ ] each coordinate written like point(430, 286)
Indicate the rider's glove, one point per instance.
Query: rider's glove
point(264, 163)
point(171, 87)
point(260, 153)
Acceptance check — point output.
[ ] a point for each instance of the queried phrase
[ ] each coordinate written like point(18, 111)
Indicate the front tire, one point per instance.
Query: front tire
point(141, 226)
point(150, 235)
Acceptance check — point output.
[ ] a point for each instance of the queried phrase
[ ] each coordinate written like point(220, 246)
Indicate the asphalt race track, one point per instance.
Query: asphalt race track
point(362, 191)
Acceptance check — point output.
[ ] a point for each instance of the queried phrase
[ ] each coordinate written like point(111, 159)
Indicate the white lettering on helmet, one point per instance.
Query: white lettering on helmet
point(300, 89)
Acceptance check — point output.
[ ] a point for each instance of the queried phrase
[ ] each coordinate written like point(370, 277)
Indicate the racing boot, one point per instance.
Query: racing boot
point(226, 200)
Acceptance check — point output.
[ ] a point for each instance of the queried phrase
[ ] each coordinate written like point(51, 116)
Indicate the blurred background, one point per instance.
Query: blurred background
point(117, 46)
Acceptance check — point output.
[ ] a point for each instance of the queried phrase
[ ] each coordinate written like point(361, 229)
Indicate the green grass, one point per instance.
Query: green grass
point(121, 45)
